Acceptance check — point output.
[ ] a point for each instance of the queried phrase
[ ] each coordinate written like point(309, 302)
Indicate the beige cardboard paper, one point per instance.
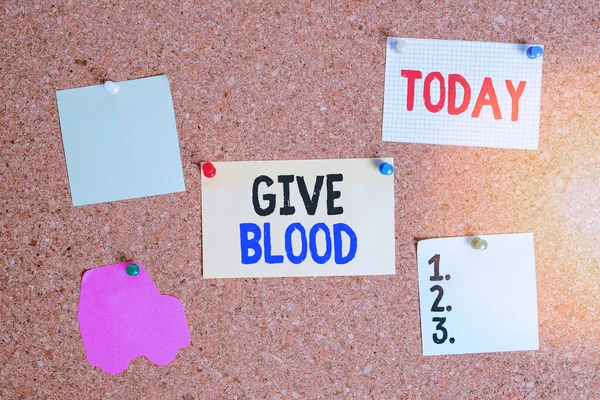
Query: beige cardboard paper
point(358, 215)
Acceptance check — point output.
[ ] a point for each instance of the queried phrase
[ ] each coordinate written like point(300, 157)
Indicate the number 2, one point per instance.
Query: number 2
point(435, 260)
point(436, 304)
point(440, 327)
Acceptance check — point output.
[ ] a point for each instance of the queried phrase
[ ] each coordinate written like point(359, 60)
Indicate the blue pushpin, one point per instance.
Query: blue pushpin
point(386, 168)
point(535, 52)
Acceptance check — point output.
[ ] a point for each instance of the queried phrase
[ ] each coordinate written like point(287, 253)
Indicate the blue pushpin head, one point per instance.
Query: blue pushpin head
point(535, 52)
point(386, 168)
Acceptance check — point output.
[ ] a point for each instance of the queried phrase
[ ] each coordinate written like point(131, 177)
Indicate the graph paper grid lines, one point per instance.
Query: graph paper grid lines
point(474, 61)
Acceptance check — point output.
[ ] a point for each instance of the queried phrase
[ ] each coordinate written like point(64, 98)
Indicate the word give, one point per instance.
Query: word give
point(487, 94)
point(310, 202)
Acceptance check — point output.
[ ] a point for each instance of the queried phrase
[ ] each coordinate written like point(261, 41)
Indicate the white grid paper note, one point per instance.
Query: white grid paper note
point(474, 61)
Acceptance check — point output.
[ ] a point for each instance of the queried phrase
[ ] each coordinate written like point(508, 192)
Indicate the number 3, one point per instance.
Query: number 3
point(440, 327)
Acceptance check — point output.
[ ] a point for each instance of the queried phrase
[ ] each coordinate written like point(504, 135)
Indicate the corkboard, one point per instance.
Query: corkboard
point(290, 80)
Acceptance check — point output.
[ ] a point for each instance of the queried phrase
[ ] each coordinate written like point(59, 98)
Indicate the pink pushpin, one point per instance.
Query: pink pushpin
point(209, 169)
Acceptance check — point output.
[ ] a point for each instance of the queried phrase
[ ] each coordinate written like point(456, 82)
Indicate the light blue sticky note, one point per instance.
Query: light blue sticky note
point(120, 146)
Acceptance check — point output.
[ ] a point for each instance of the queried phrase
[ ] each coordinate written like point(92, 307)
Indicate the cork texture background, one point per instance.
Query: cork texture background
point(258, 80)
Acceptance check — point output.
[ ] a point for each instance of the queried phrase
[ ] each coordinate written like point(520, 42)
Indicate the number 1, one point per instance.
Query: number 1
point(435, 260)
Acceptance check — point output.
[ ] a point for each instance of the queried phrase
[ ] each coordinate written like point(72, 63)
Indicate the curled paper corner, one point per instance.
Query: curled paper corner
point(122, 317)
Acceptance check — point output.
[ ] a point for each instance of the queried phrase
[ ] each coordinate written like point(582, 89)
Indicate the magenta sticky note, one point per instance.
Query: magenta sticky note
point(122, 317)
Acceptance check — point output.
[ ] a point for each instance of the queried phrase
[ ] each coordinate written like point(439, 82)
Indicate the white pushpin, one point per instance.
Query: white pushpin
point(401, 46)
point(111, 87)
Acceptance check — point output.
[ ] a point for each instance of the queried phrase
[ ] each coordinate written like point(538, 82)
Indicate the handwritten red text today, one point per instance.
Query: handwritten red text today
point(487, 94)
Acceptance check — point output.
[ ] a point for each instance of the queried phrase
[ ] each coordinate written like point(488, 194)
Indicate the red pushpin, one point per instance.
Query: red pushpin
point(209, 169)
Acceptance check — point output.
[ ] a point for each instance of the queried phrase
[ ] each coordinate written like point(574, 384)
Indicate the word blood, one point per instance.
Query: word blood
point(252, 250)
point(486, 97)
